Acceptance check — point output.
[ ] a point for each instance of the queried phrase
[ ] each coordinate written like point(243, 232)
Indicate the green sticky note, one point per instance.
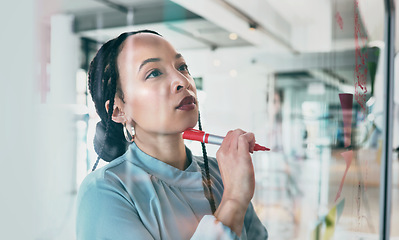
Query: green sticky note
point(328, 222)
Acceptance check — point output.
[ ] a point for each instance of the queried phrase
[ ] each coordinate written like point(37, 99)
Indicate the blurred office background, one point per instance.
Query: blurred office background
point(276, 68)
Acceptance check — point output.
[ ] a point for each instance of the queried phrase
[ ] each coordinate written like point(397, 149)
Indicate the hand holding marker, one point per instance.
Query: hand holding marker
point(201, 136)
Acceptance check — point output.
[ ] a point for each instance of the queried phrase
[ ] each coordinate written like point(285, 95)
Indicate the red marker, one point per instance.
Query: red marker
point(201, 136)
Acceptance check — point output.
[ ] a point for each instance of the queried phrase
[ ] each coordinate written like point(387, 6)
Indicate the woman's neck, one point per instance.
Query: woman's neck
point(169, 148)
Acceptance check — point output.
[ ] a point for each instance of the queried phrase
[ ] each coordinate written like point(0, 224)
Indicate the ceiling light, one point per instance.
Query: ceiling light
point(233, 73)
point(233, 36)
point(216, 62)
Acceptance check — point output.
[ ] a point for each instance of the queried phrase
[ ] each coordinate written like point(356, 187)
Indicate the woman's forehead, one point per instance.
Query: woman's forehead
point(141, 46)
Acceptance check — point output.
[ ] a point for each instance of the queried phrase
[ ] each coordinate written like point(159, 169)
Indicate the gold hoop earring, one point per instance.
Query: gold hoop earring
point(129, 137)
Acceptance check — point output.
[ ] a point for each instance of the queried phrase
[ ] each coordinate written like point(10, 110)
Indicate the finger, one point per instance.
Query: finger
point(251, 139)
point(246, 143)
point(234, 141)
point(228, 137)
point(227, 141)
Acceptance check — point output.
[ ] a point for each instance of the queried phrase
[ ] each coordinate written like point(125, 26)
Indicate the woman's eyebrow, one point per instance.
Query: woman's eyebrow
point(148, 61)
point(156, 60)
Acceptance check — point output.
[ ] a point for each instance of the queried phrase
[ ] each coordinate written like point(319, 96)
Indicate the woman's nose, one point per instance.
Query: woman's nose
point(179, 83)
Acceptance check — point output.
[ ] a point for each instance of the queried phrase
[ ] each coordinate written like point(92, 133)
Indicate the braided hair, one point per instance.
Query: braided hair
point(211, 198)
point(103, 78)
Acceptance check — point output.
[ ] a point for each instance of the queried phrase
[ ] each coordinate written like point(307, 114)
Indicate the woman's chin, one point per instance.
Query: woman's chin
point(190, 124)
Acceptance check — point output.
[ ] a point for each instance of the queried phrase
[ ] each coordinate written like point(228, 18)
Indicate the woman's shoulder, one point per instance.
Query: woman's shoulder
point(101, 177)
point(114, 176)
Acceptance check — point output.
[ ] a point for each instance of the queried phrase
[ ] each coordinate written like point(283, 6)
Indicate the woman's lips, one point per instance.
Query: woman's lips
point(187, 107)
point(187, 103)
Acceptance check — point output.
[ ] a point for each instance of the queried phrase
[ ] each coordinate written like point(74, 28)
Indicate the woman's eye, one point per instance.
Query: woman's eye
point(183, 67)
point(154, 73)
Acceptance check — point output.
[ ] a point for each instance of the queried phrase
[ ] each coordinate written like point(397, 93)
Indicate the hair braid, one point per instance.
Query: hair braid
point(208, 181)
point(109, 81)
point(95, 74)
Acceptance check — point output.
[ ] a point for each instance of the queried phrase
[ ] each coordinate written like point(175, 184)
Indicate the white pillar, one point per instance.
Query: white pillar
point(64, 60)
point(58, 134)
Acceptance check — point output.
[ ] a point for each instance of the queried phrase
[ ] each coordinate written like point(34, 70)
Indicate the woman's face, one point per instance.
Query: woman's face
point(159, 95)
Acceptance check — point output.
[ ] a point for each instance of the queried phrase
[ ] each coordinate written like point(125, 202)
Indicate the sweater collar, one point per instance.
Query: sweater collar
point(191, 177)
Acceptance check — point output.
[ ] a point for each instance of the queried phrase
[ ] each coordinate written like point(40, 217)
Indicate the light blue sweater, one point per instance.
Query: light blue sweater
point(139, 197)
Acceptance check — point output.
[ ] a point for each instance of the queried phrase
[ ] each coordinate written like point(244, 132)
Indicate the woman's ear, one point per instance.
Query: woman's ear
point(117, 115)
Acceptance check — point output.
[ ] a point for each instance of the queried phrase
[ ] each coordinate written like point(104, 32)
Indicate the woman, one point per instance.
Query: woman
point(154, 187)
